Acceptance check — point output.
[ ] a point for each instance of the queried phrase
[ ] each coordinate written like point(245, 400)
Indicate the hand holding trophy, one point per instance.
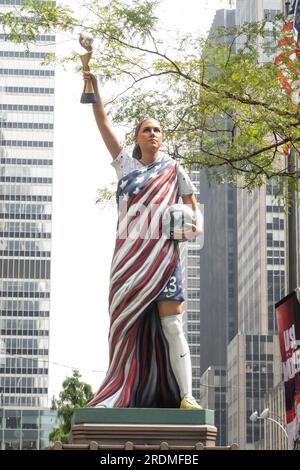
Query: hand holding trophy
point(88, 95)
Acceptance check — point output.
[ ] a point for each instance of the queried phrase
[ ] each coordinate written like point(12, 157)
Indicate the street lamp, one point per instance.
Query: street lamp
point(265, 415)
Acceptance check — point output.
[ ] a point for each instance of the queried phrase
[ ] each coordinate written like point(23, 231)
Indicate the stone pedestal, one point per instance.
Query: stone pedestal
point(114, 427)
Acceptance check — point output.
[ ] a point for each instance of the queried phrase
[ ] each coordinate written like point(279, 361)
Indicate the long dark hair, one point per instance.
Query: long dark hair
point(137, 153)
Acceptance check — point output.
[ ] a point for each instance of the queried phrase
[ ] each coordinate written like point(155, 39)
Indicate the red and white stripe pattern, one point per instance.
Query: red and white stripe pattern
point(288, 54)
point(139, 373)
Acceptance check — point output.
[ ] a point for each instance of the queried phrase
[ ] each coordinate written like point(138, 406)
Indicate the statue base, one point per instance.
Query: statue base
point(113, 428)
point(88, 98)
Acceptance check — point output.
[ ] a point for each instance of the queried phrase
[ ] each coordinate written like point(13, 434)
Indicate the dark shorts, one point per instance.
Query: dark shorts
point(174, 288)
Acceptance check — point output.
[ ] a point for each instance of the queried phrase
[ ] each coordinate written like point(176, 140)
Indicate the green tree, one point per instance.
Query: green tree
point(189, 82)
point(75, 394)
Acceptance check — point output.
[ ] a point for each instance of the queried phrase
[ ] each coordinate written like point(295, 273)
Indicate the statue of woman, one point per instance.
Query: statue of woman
point(149, 357)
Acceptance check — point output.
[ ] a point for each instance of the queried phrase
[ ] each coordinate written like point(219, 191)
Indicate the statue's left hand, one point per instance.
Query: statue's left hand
point(188, 233)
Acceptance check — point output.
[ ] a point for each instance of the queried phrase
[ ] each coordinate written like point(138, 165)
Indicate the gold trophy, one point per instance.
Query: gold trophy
point(88, 95)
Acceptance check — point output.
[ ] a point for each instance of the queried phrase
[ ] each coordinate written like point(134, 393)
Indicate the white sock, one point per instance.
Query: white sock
point(179, 352)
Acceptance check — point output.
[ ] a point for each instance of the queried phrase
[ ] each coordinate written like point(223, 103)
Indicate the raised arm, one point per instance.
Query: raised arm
point(110, 139)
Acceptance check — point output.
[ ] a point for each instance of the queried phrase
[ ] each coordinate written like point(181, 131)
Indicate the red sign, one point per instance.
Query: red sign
point(288, 320)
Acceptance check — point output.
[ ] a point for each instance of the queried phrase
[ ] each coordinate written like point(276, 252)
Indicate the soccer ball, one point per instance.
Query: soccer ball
point(177, 217)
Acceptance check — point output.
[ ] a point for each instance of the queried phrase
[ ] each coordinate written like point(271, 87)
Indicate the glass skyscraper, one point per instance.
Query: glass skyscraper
point(26, 156)
point(193, 296)
point(254, 365)
point(243, 275)
point(218, 276)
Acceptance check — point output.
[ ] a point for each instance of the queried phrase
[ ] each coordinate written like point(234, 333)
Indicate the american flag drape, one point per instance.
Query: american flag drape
point(139, 373)
point(288, 53)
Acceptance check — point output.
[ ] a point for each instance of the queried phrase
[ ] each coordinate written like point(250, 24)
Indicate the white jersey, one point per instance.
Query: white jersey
point(125, 164)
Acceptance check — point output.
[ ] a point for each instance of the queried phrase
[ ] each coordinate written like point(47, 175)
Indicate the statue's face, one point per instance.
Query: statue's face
point(149, 135)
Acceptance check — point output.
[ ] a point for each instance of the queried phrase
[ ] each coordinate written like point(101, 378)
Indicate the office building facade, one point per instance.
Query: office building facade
point(254, 365)
point(218, 274)
point(192, 303)
point(275, 423)
point(253, 369)
point(243, 268)
point(26, 158)
point(26, 428)
point(213, 396)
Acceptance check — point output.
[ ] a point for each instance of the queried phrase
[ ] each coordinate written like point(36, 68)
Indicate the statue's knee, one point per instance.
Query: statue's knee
point(169, 308)
point(172, 325)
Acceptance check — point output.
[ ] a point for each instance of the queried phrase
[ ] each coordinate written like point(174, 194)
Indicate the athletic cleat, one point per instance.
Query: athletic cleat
point(189, 403)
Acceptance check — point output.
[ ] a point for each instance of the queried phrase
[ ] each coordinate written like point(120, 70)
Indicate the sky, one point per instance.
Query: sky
point(83, 233)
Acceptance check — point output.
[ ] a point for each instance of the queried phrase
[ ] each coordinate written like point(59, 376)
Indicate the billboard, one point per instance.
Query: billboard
point(288, 321)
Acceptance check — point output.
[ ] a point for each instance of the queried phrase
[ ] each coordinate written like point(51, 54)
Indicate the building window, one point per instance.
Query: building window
point(40, 37)
point(271, 14)
point(26, 107)
point(26, 161)
point(17, 179)
point(25, 125)
point(21, 89)
point(37, 73)
point(25, 55)
point(26, 143)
